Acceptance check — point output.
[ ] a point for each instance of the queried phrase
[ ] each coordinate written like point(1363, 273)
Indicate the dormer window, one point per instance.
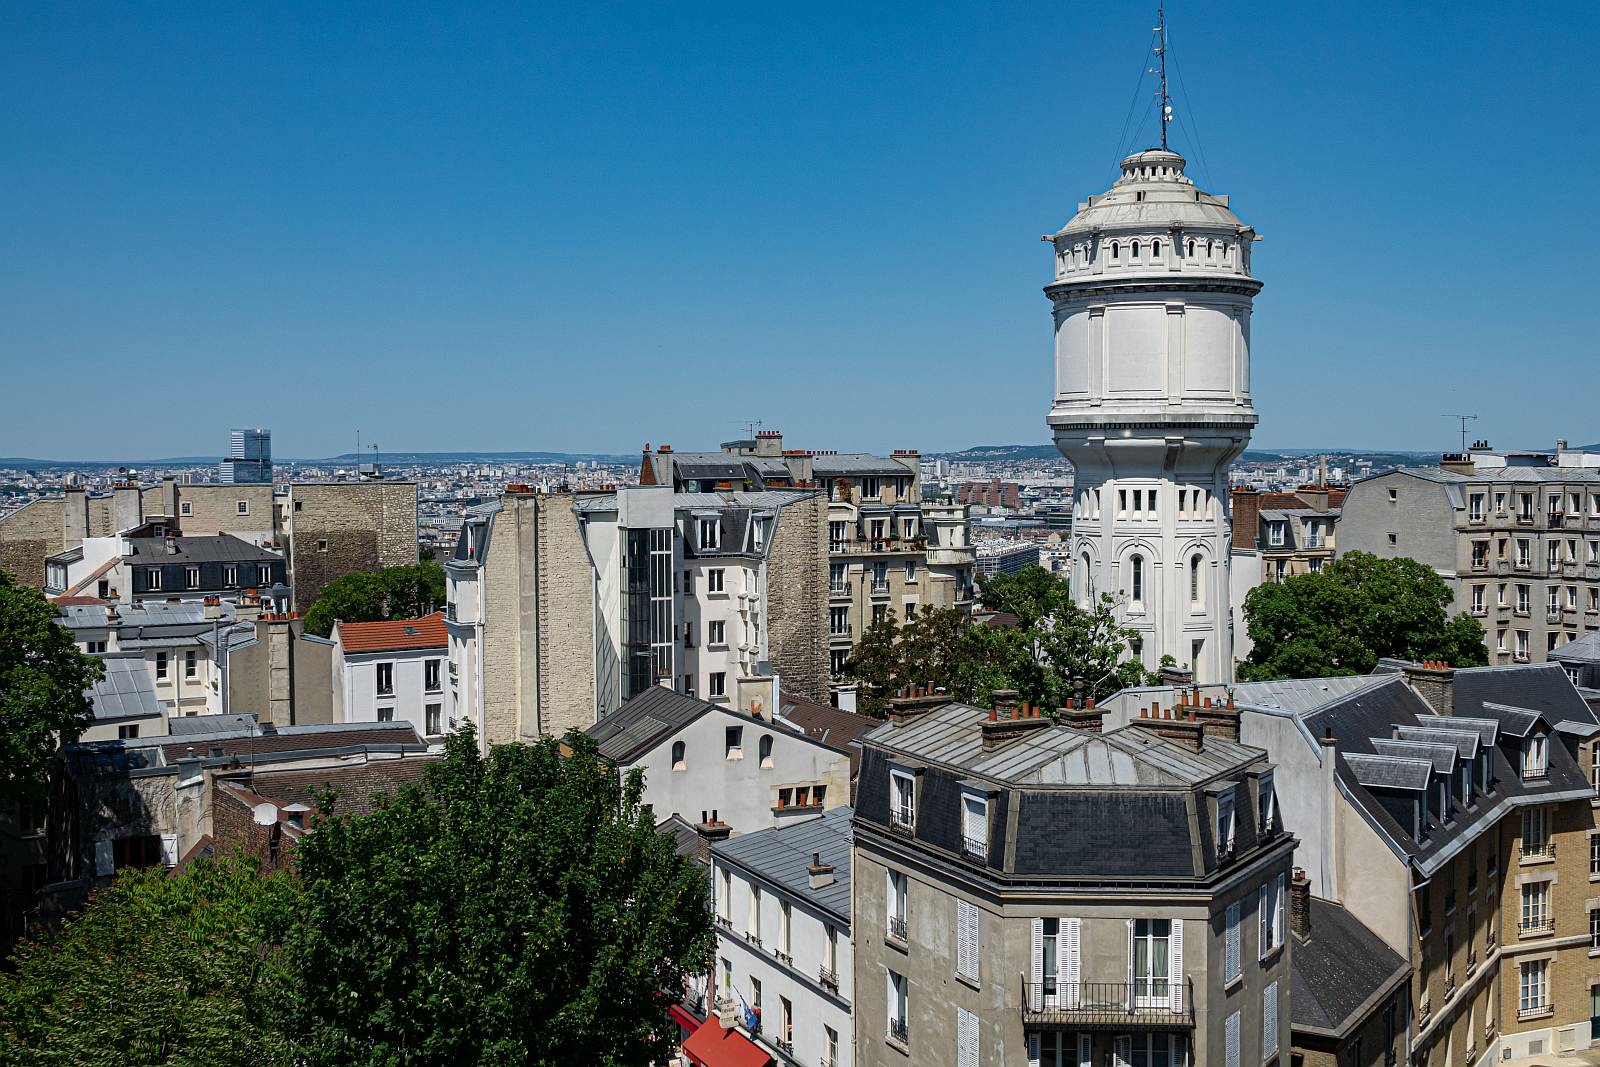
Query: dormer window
point(975, 825)
point(903, 800)
point(1266, 803)
point(1535, 757)
point(710, 533)
point(1225, 824)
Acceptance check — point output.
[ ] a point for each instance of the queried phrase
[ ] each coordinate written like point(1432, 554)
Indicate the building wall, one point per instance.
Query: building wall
point(566, 683)
point(367, 525)
point(409, 700)
point(27, 536)
point(797, 604)
point(211, 509)
point(506, 629)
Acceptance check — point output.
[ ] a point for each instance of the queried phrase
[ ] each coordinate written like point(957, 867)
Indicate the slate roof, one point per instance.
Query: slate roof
point(293, 739)
point(645, 721)
point(685, 839)
point(1338, 971)
point(1585, 649)
point(127, 691)
point(1539, 687)
point(1389, 772)
point(856, 464)
point(215, 548)
point(830, 725)
point(1301, 694)
point(395, 635)
point(781, 856)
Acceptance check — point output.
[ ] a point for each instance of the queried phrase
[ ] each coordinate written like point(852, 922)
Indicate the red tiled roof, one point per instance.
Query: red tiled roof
point(77, 601)
point(395, 635)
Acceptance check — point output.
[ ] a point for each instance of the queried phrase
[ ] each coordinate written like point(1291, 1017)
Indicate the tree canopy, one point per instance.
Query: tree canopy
point(1053, 643)
point(44, 680)
point(179, 970)
point(372, 596)
point(1357, 609)
point(520, 909)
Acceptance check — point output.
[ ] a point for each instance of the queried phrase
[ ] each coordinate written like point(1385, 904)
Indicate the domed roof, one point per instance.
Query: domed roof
point(1153, 194)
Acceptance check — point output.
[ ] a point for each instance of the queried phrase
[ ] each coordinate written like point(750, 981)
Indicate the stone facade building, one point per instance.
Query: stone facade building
point(1291, 533)
point(1032, 893)
point(1519, 545)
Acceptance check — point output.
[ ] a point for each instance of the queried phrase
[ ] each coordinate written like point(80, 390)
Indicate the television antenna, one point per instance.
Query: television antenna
point(1163, 101)
point(1464, 419)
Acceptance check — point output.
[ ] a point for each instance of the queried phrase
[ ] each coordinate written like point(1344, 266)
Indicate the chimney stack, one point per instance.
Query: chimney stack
point(821, 873)
point(1434, 681)
point(1246, 518)
point(1300, 905)
point(915, 702)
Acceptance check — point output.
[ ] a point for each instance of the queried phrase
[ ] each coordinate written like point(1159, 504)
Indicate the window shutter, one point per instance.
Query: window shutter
point(1280, 925)
point(1128, 989)
point(1263, 902)
point(1175, 967)
point(1085, 1050)
point(1122, 1049)
point(1070, 952)
point(1036, 972)
point(974, 825)
point(966, 1038)
point(1231, 1039)
point(1269, 1020)
point(967, 939)
point(1232, 948)
point(104, 858)
point(1033, 1050)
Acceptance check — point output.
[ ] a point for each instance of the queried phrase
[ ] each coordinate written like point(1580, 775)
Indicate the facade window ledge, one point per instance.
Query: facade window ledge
point(1271, 955)
point(977, 986)
point(1533, 930)
point(781, 809)
point(897, 1043)
point(1524, 1014)
point(894, 941)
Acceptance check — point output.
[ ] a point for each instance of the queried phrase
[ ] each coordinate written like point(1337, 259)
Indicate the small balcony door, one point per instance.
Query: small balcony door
point(1152, 961)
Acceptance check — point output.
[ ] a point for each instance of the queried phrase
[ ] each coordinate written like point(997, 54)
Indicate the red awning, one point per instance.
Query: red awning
point(682, 1016)
point(712, 1046)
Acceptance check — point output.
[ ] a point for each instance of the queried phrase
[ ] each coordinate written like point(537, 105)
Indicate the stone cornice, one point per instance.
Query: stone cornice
point(1170, 283)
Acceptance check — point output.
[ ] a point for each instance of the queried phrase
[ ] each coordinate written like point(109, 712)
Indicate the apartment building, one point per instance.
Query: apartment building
point(890, 552)
point(1452, 814)
point(782, 902)
point(320, 530)
point(562, 606)
point(392, 671)
point(1291, 533)
point(1030, 892)
point(1520, 545)
point(153, 562)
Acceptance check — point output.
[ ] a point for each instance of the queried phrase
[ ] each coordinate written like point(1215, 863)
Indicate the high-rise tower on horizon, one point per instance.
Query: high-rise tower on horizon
point(249, 459)
point(1152, 297)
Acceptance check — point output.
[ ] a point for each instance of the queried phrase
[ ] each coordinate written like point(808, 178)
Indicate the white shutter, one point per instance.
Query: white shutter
point(1070, 954)
point(1263, 902)
point(1280, 926)
point(1175, 967)
point(1232, 945)
point(1036, 971)
point(1230, 1032)
point(966, 1038)
point(974, 819)
point(1122, 1049)
point(169, 849)
point(1269, 1020)
point(1033, 1050)
point(967, 939)
point(1128, 990)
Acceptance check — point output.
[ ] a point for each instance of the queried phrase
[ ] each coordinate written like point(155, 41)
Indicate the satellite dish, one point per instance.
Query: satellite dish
point(266, 814)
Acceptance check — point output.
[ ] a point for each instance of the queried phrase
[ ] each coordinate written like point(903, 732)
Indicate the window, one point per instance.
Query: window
point(1269, 1020)
point(830, 1046)
point(242, 507)
point(135, 852)
point(758, 534)
point(1152, 973)
point(386, 714)
point(897, 906)
point(911, 570)
point(897, 1008)
point(785, 1023)
point(189, 664)
point(870, 488)
point(836, 534)
point(764, 748)
point(1535, 916)
point(128, 733)
point(1535, 832)
point(839, 622)
point(264, 574)
point(1475, 507)
point(94, 647)
point(431, 718)
point(1533, 987)
point(186, 508)
point(717, 684)
point(753, 917)
point(967, 940)
point(1269, 904)
point(161, 665)
point(1155, 249)
point(430, 675)
point(710, 533)
point(152, 579)
point(1594, 929)
point(1534, 756)
point(1133, 250)
point(1225, 824)
point(1477, 599)
point(1115, 250)
point(385, 679)
point(716, 632)
point(1231, 957)
point(975, 825)
point(733, 743)
point(1266, 803)
point(230, 575)
point(836, 660)
point(1136, 580)
point(904, 793)
point(191, 577)
point(966, 1038)
point(714, 580)
point(322, 544)
point(1194, 580)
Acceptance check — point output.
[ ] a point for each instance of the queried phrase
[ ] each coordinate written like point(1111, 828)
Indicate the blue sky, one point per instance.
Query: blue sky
point(583, 227)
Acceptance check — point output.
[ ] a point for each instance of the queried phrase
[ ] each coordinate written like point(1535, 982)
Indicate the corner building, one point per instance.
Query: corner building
point(1152, 298)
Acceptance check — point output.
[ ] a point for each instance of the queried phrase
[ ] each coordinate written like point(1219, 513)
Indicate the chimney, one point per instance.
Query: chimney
point(1458, 462)
point(1006, 721)
point(1176, 676)
point(1246, 518)
point(915, 702)
point(1088, 717)
point(169, 497)
point(127, 510)
point(75, 516)
point(1300, 905)
point(713, 829)
point(1434, 681)
point(821, 873)
point(1215, 717)
point(769, 443)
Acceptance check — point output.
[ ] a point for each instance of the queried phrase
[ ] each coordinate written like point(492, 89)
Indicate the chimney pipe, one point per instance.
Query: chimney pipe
point(1300, 905)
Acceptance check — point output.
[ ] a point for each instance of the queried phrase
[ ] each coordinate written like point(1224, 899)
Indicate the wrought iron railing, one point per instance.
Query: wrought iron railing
point(899, 1031)
point(1144, 1003)
point(829, 978)
point(897, 927)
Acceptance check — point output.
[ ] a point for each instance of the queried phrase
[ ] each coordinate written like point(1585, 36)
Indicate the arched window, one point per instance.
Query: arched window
point(1136, 580)
point(1211, 249)
point(765, 749)
point(1133, 250)
point(1155, 249)
point(1191, 249)
point(1194, 579)
point(1114, 250)
point(1085, 581)
point(678, 763)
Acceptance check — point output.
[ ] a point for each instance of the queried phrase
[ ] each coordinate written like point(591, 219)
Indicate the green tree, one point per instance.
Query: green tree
point(407, 592)
point(1054, 643)
point(44, 701)
point(518, 909)
point(178, 970)
point(1357, 609)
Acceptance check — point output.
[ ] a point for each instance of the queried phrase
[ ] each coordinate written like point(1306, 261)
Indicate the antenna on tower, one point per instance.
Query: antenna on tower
point(1163, 101)
point(1464, 419)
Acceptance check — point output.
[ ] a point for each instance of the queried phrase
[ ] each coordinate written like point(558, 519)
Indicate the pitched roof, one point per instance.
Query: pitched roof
point(1340, 969)
point(1585, 649)
point(646, 720)
point(127, 690)
point(394, 635)
point(781, 856)
point(830, 725)
point(216, 548)
point(295, 739)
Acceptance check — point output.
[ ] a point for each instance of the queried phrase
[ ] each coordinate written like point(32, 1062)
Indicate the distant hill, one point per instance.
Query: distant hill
point(1021, 452)
point(443, 458)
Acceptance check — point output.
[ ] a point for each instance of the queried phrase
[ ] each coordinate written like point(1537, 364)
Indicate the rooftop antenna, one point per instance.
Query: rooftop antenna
point(1163, 101)
point(1464, 420)
point(750, 426)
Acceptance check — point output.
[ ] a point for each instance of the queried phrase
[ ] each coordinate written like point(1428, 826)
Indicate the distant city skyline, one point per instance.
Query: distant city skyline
point(514, 229)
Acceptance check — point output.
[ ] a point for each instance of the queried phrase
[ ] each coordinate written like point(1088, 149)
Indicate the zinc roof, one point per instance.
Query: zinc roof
point(781, 856)
point(127, 691)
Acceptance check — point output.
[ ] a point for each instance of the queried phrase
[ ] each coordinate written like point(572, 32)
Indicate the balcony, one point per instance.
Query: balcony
point(1525, 519)
point(880, 588)
point(841, 589)
point(897, 929)
point(1105, 1006)
point(1538, 851)
point(1536, 928)
point(869, 546)
point(902, 819)
point(786, 1045)
point(898, 1031)
point(975, 848)
point(1536, 1011)
point(1480, 564)
point(829, 979)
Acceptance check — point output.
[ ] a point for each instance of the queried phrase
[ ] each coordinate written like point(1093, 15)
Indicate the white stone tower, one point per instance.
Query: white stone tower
point(1152, 298)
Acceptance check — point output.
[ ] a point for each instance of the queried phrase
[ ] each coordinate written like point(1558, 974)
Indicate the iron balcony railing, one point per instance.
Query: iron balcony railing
point(829, 978)
point(897, 927)
point(1144, 1003)
point(1536, 927)
point(976, 847)
point(898, 1031)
